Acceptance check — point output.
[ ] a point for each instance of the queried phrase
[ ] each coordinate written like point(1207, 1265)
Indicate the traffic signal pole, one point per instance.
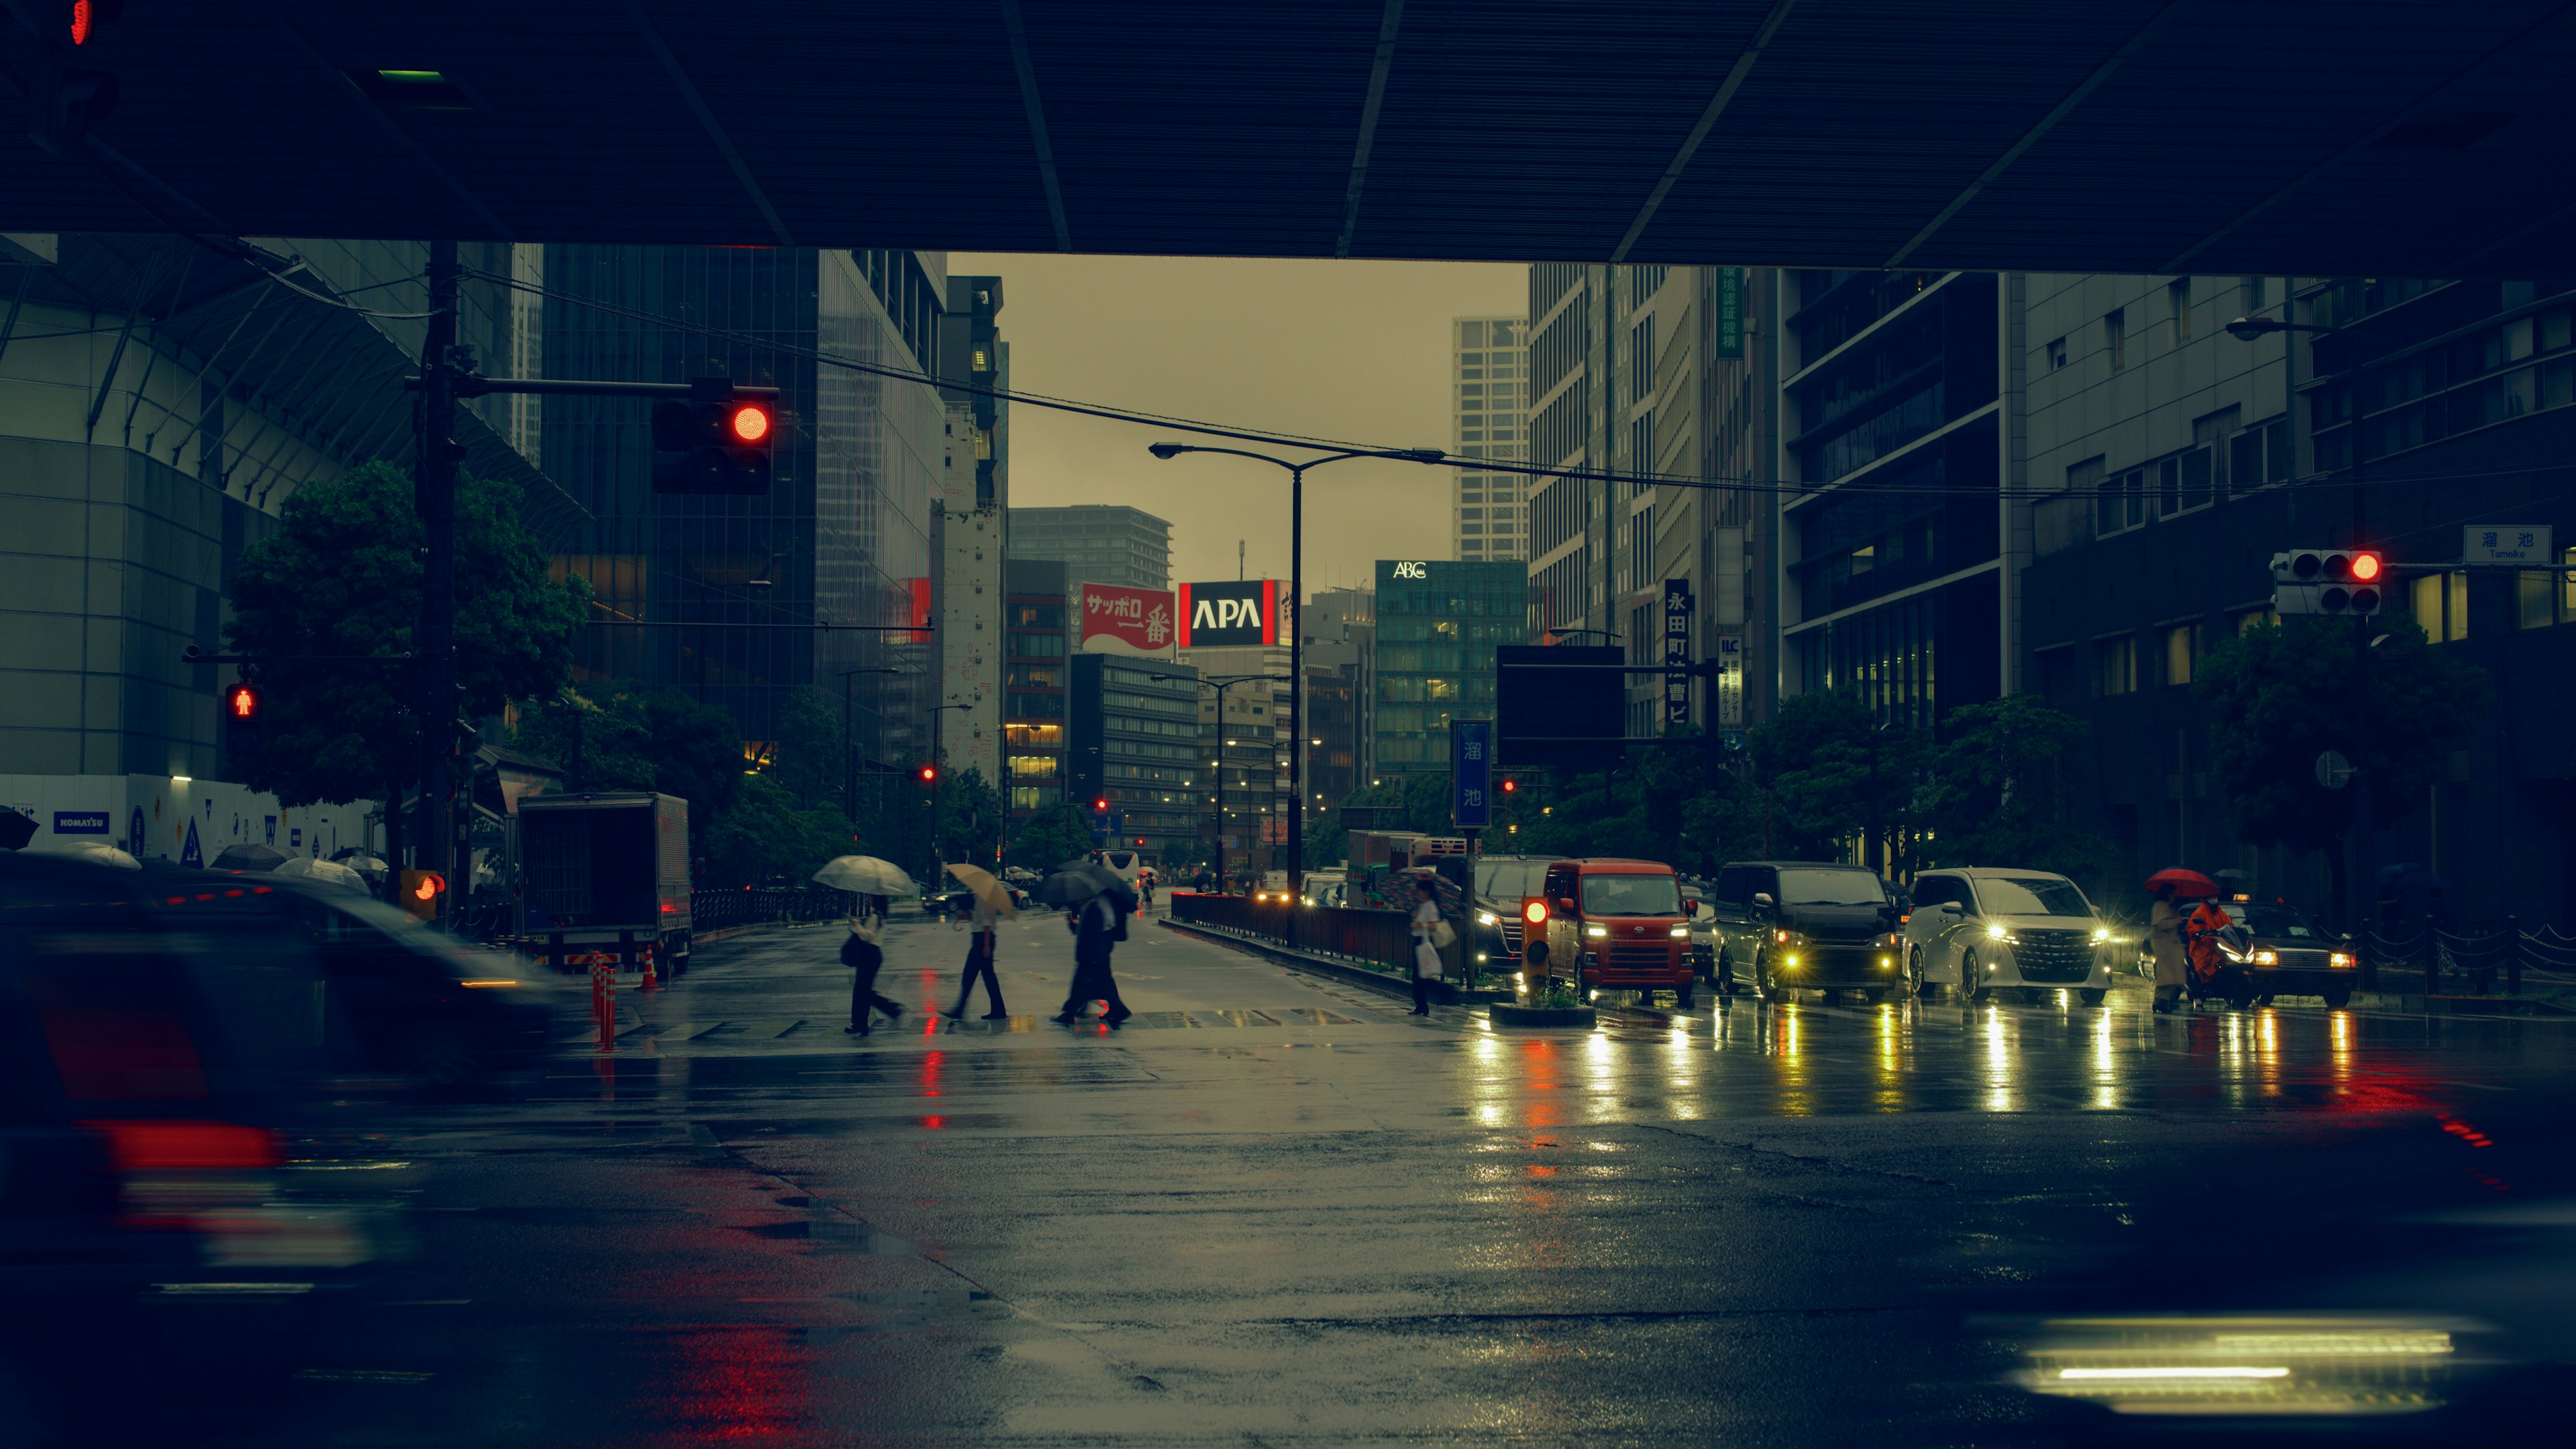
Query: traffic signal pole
point(434, 642)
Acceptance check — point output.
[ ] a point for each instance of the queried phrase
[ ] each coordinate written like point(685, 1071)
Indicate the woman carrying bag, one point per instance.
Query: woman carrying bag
point(863, 956)
point(1431, 934)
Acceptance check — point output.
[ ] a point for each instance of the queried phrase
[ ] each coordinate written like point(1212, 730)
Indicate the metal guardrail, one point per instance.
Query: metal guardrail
point(765, 905)
point(2474, 959)
point(1381, 939)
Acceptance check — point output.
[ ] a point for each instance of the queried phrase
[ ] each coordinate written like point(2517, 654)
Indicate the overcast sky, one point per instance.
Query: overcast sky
point(1353, 350)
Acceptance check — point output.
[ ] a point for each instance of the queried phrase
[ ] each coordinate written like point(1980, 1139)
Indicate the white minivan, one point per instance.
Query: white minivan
point(1983, 930)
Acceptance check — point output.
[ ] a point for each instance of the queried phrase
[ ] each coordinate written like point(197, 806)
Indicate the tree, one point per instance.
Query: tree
point(970, 818)
point(763, 837)
point(342, 576)
point(1832, 771)
point(1049, 838)
point(1994, 794)
point(2281, 695)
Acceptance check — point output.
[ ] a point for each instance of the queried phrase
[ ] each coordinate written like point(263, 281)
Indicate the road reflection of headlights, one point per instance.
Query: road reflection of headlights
point(2269, 1367)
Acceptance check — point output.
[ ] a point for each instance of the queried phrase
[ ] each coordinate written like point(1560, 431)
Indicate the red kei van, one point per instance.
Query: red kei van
point(1613, 925)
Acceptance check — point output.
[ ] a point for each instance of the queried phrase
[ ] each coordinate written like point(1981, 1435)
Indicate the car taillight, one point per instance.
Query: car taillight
point(188, 1146)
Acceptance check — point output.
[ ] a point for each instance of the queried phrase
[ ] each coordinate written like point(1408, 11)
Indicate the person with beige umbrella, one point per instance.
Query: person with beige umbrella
point(992, 906)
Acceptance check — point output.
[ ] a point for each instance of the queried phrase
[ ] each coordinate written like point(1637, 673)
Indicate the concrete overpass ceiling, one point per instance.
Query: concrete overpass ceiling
point(2120, 135)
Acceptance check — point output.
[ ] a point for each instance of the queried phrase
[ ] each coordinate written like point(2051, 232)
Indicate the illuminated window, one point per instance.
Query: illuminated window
point(2441, 604)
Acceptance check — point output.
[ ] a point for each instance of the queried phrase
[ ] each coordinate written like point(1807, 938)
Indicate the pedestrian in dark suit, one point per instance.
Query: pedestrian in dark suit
point(1095, 925)
point(864, 957)
point(979, 963)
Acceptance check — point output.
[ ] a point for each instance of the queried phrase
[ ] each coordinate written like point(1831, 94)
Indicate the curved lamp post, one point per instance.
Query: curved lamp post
point(1297, 631)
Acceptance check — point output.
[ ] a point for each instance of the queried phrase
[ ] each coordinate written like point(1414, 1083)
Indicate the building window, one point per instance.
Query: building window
point(2178, 299)
point(2182, 650)
point(2547, 597)
point(2441, 604)
point(2057, 354)
point(2115, 337)
point(2115, 665)
point(1028, 797)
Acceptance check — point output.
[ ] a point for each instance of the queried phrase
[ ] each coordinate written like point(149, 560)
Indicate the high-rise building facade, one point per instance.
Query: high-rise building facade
point(1097, 543)
point(1489, 382)
point(1135, 732)
point(1652, 404)
point(1340, 628)
point(2169, 460)
point(1896, 565)
point(1438, 622)
point(1035, 649)
point(974, 365)
point(716, 596)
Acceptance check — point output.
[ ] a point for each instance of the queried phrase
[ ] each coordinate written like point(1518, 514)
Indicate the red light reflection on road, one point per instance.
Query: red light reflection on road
point(930, 1065)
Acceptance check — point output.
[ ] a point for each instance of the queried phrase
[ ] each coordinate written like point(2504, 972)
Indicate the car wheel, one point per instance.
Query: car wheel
point(1915, 985)
point(2091, 997)
point(1972, 981)
point(1686, 998)
point(1764, 983)
point(1725, 976)
point(2338, 1000)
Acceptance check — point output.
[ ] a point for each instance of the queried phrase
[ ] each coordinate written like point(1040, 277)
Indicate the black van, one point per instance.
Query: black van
point(1790, 925)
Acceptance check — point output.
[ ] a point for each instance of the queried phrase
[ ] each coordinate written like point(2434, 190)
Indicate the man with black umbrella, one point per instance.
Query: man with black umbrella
point(1098, 924)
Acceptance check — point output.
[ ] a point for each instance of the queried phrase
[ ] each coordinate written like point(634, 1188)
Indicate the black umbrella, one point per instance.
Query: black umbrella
point(250, 857)
point(16, 830)
point(1079, 883)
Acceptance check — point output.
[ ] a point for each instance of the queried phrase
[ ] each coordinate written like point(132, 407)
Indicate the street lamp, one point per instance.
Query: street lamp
point(2365, 889)
point(1296, 605)
point(1221, 683)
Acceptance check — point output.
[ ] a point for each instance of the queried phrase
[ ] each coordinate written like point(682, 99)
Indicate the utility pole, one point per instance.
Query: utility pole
point(434, 493)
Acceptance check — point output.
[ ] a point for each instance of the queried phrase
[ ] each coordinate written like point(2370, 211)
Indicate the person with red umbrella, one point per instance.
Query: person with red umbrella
point(2165, 927)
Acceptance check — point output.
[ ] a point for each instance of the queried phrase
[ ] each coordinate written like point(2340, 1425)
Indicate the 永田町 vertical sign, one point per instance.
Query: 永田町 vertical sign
point(1677, 651)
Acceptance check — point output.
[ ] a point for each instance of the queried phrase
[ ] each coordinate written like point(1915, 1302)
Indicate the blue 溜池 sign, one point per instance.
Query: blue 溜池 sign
point(1471, 772)
point(82, 822)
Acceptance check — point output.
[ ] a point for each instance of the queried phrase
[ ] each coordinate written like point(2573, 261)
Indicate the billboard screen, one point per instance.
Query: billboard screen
point(1239, 611)
point(1121, 620)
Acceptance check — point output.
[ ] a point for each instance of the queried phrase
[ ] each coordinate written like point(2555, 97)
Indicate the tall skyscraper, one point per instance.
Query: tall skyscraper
point(1488, 361)
point(1098, 543)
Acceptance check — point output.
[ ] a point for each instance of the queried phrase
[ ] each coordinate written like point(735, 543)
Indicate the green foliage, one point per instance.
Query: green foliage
point(1834, 773)
point(970, 819)
point(1049, 838)
point(809, 760)
point(2280, 695)
point(764, 837)
point(342, 576)
point(1994, 793)
point(1665, 804)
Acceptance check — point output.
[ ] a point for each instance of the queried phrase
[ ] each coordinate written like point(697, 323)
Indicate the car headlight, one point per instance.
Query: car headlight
point(2339, 959)
point(2101, 936)
point(1995, 931)
point(1681, 933)
point(1596, 930)
point(2267, 958)
point(1488, 918)
point(1781, 937)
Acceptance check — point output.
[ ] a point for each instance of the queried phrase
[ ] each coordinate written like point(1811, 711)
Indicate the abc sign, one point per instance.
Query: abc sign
point(1412, 571)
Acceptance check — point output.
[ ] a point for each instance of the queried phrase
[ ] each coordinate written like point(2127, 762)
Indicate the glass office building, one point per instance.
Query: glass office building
point(717, 596)
point(1136, 746)
point(1437, 624)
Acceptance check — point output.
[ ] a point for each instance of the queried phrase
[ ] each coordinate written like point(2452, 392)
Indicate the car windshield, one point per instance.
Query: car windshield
point(1509, 880)
point(1831, 888)
point(2031, 895)
point(1631, 895)
point(2279, 922)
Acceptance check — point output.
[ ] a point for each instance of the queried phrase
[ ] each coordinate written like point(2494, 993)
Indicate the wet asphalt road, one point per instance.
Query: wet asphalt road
point(1273, 1210)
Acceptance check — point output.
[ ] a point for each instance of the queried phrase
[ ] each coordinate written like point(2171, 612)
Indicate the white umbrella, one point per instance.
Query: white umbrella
point(866, 875)
point(93, 852)
point(323, 872)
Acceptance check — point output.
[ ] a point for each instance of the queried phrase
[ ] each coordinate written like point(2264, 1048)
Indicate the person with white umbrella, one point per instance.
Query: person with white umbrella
point(992, 903)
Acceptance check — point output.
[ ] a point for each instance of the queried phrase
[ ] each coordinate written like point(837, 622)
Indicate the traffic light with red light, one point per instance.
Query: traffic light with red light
point(241, 705)
point(713, 441)
point(2343, 583)
point(424, 893)
point(927, 774)
point(1511, 786)
point(1100, 806)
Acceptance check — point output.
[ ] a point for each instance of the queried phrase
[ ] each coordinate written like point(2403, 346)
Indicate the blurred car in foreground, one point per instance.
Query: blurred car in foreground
point(153, 1073)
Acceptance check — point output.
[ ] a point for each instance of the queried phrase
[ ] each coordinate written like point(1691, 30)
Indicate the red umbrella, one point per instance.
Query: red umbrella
point(2187, 884)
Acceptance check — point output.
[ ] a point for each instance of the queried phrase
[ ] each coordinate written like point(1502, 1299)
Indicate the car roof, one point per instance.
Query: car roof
point(1989, 872)
point(1802, 865)
point(1615, 862)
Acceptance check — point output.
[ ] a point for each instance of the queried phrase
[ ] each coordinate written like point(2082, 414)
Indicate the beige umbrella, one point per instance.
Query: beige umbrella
point(988, 890)
point(864, 874)
point(323, 872)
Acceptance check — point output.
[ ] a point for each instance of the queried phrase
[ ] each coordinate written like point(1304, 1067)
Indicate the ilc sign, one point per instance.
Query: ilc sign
point(1244, 611)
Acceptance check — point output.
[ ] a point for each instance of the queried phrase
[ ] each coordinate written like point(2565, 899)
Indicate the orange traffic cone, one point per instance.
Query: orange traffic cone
point(651, 981)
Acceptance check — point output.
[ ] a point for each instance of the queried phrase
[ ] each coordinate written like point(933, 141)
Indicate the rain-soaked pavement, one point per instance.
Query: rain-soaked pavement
point(1272, 1210)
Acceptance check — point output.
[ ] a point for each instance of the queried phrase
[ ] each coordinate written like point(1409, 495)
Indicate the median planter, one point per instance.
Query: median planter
point(1505, 1014)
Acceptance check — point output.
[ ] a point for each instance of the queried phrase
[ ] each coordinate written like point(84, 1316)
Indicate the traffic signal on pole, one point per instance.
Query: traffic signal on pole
point(1100, 806)
point(241, 715)
point(927, 774)
point(1511, 786)
point(2342, 583)
point(424, 893)
point(713, 441)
